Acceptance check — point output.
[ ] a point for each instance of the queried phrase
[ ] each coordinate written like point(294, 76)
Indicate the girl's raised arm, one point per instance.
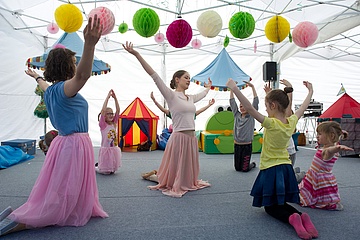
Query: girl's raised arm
point(130, 48)
point(307, 100)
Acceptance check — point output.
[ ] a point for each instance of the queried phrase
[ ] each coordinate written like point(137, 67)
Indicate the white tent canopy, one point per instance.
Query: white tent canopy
point(333, 60)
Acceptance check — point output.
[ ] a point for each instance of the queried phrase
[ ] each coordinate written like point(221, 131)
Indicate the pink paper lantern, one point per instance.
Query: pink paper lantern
point(52, 28)
point(107, 19)
point(179, 33)
point(196, 43)
point(159, 37)
point(305, 34)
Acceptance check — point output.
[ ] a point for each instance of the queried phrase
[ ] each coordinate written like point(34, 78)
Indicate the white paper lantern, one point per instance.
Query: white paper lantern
point(209, 24)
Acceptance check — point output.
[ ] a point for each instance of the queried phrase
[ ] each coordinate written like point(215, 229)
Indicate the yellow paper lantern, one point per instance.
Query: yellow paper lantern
point(209, 24)
point(277, 29)
point(68, 17)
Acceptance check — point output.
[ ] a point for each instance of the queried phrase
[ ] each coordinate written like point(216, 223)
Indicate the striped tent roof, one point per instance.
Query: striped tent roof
point(138, 110)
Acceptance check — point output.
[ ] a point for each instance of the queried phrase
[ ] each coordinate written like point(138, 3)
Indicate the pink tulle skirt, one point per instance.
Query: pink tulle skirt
point(179, 169)
point(65, 192)
point(109, 159)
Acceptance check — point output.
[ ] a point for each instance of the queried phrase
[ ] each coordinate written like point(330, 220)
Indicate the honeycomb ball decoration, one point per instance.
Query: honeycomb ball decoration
point(179, 33)
point(68, 17)
point(305, 34)
point(226, 41)
point(242, 25)
point(146, 22)
point(123, 28)
point(107, 19)
point(209, 24)
point(277, 29)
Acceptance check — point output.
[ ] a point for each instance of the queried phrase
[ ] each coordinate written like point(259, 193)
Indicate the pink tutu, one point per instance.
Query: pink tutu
point(109, 159)
point(65, 192)
point(179, 169)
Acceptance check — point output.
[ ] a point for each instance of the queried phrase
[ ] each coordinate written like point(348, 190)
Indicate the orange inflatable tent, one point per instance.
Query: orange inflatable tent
point(137, 124)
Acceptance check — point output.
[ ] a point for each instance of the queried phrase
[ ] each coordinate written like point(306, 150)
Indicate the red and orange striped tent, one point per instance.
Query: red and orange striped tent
point(137, 123)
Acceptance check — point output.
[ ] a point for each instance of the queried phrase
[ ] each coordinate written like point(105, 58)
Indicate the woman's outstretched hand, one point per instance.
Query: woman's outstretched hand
point(93, 30)
point(129, 47)
point(32, 73)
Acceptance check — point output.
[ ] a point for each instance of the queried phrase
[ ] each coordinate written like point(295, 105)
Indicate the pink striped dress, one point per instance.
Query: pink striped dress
point(319, 188)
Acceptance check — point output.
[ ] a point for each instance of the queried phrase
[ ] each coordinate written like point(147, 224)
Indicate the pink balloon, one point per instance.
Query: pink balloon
point(179, 33)
point(196, 43)
point(305, 34)
point(52, 28)
point(159, 37)
point(107, 19)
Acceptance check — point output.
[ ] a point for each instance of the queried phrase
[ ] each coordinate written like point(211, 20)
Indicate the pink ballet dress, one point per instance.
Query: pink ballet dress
point(109, 153)
point(319, 188)
point(179, 169)
point(65, 192)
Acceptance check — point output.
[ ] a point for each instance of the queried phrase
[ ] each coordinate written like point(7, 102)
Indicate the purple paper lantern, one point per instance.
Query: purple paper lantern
point(179, 33)
point(196, 43)
point(159, 37)
point(52, 28)
point(305, 34)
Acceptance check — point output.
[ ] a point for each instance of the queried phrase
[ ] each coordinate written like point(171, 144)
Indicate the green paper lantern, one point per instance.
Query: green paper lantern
point(242, 25)
point(146, 22)
point(40, 110)
point(123, 28)
point(226, 41)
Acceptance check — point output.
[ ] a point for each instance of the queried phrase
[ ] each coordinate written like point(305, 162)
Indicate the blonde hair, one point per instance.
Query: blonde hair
point(332, 131)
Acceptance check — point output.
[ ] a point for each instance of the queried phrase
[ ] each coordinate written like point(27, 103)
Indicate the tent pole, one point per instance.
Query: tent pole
point(163, 76)
point(44, 126)
point(46, 43)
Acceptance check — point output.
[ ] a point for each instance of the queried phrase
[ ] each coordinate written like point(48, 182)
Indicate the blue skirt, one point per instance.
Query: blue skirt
point(275, 186)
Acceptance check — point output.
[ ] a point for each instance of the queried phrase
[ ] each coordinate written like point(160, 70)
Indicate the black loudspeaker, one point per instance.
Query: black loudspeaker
point(270, 71)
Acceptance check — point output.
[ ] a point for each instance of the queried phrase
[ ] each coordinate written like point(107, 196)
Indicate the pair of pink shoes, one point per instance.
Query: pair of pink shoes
point(303, 226)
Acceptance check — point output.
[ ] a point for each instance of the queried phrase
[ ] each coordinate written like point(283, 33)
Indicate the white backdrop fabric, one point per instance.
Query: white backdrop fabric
point(129, 81)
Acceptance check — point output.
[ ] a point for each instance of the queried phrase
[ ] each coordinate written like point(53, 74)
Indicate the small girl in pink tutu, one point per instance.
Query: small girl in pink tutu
point(110, 153)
